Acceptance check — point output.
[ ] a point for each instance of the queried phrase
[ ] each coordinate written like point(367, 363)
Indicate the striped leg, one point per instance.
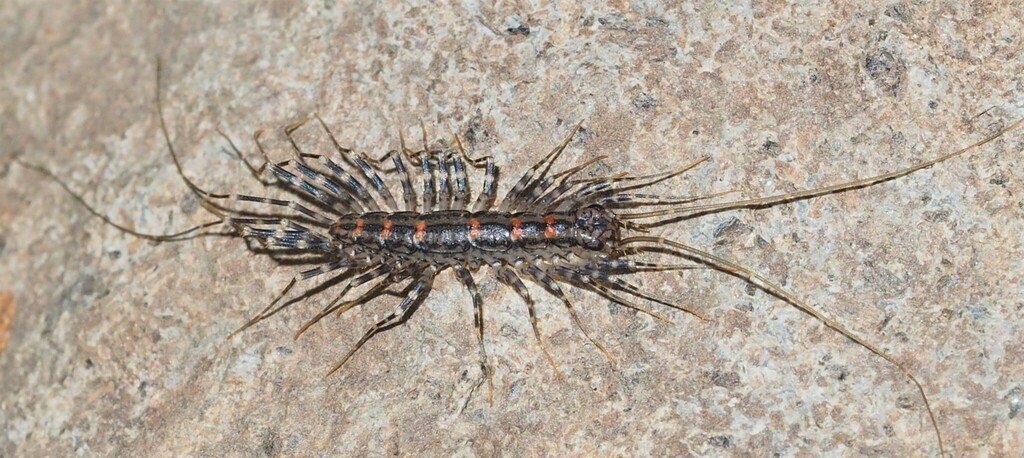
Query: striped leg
point(604, 280)
point(270, 310)
point(551, 285)
point(555, 186)
point(341, 173)
point(478, 321)
point(317, 217)
point(483, 201)
point(459, 194)
point(325, 199)
point(349, 199)
point(589, 194)
point(287, 234)
point(401, 313)
point(365, 170)
point(408, 192)
point(486, 197)
point(584, 281)
point(629, 266)
point(340, 306)
point(375, 180)
point(527, 180)
point(443, 185)
point(509, 277)
point(428, 182)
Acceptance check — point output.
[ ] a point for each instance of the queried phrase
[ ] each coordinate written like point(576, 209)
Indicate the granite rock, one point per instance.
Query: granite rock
point(116, 346)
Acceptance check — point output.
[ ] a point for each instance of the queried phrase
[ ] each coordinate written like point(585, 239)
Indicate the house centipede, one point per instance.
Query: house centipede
point(551, 228)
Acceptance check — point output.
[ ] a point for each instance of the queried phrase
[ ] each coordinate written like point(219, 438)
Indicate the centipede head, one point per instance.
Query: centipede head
point(596, 226)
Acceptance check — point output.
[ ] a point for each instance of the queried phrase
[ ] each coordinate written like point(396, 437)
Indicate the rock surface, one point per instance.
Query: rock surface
point(116, 346)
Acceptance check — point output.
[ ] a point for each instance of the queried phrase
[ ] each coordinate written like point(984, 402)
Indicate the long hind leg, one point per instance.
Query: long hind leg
point(763, 283)
point(603, 282)
point(176, 236)
point(203, 195)
point(587, 282)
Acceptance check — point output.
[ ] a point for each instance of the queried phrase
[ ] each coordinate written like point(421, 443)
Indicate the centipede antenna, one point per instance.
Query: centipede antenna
point(177, 236)
point(761, 202)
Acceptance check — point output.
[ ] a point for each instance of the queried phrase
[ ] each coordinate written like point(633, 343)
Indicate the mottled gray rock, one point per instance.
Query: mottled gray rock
point(117, 346)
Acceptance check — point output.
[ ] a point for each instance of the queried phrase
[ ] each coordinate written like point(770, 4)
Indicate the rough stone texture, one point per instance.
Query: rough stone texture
point(117, 345)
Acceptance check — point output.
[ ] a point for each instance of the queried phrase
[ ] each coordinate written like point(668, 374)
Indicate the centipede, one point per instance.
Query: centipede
point(555, 227)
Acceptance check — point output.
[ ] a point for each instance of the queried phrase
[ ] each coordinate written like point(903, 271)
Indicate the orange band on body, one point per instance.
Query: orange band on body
point(359, 227)
point(421, 230)
point(517, 228)
point(549, 229)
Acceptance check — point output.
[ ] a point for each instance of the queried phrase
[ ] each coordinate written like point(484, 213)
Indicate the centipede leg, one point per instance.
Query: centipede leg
point(478, 322)
point(428, 182)
point(509, 277)
point(340, 306)
point(459, 193)
point(269, 310)
point(291, 205)
point(592, 193)
point(630, 266)
point(364, 196)
point(559, 184)
point(317, 196)
point(396, 317)
point(349, 201)
point(590, 283)
point(256, 172)
point(602, 279)
point(288, 131)
point(365, 170)
point(527, 180)
point(545, 280)
point(443, 185)
point(408, 192)
point(485, 199)
point(173, 237)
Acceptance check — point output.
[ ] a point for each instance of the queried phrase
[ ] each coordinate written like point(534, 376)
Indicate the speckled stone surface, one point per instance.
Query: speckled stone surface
point(116, 346)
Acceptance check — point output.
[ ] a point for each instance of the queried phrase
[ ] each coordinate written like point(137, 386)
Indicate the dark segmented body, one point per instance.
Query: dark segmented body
point(453, 236)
